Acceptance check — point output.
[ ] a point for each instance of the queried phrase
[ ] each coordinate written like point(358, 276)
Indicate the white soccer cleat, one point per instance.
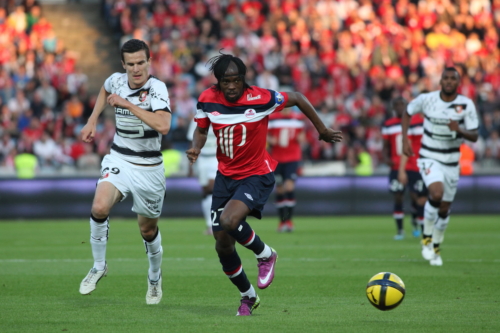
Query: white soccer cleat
point(89, 283)
point(436, 260)
point(427, 250)
point(154, 294)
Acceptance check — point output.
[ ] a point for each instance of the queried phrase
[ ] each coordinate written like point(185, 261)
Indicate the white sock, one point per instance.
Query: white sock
point(98, 242)
point(250, 293)
point(206, 205)
point(155, 253)
point(266, 253)
point(440, 227)
point(430, 217)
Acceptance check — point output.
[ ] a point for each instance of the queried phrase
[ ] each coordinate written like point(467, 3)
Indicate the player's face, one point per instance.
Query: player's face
point(449, 82)
point(137, 67)
point(399, 107)
point(231, 84)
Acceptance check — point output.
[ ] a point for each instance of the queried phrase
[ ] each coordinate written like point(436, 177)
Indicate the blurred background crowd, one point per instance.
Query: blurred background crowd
point(349, 58)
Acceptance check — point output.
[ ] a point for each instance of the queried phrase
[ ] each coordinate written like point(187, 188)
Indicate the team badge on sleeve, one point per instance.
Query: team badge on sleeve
point(279, 98)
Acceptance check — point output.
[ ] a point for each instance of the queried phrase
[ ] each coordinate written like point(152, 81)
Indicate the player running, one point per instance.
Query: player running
point(239, 114)
point(448, 119)
point(134, 165)
point(404, 170)
point(285, 136)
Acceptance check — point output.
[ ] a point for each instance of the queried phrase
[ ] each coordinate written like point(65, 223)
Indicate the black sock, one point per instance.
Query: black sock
point(247, 237)
point(280, 201)
point(398, 215)
point(290, 204)
point(231, 265)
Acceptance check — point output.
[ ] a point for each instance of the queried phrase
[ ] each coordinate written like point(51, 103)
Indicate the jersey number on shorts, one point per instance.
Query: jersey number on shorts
point(226, 139)
point(130, 128)
point(214, 216)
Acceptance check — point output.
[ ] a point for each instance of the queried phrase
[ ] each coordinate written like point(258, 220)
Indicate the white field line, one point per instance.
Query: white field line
point(5, 261)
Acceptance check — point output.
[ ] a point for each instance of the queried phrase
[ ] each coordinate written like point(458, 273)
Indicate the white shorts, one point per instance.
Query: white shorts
point(433, 171)
point(146, 184)
point(206, 168)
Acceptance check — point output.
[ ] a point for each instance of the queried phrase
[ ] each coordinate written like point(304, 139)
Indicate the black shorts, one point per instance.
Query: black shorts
point(415, 183)
point(285, 171)
point(253, 191)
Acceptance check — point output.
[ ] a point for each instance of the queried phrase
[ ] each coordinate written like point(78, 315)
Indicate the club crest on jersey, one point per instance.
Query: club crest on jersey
point(250, 113)
point(142, 96)
point(215, 113)
point(459, 108)
point(279, 98)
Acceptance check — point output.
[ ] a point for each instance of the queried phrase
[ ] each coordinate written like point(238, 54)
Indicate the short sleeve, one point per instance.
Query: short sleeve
point(201, 117)
point(415, 106)
point(471, 120)
point(108, 84)
point(280, 98)
point(159, 97)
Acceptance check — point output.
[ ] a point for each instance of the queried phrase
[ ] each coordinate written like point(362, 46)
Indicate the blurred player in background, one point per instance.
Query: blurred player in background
point(206, 170)
point(404, 169)
point(239, 114)
point(449, 119)
point(285, 137)
point(134, 165)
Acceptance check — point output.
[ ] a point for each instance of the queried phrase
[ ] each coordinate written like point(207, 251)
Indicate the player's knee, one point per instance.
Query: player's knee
point(223, 244)
point(149, 232)
point(436, 195)
point(99, 210)
point(229, 221)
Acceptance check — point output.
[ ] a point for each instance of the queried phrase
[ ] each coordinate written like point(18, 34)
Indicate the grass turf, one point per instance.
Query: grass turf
point(320, 281)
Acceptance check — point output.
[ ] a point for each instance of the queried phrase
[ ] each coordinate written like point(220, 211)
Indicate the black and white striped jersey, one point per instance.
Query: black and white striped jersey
point(135, 141)
point(439, 142)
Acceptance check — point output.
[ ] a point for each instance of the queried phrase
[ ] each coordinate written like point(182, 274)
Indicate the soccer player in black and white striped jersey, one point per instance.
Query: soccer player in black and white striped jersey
point(449, 118)
point(134, 165)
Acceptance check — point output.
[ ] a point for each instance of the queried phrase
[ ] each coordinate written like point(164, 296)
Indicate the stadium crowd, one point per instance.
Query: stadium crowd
point(349, 58)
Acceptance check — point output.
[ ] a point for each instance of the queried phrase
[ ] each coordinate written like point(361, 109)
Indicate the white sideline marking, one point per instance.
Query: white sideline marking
point(281, 259)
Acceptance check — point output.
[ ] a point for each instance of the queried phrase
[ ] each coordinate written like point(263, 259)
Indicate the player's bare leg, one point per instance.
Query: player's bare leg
point(398, 215)
point(232, 220)
point(289, 188)
point(105, 197)
point(152, 241)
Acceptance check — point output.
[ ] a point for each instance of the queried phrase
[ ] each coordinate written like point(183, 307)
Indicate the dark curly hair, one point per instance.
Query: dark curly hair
point(220, 63)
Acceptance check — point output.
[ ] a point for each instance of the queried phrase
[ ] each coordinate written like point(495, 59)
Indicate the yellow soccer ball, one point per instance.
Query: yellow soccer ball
point(385, 291)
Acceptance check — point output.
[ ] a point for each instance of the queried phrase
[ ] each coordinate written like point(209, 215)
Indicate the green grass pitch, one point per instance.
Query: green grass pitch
point(319, 286)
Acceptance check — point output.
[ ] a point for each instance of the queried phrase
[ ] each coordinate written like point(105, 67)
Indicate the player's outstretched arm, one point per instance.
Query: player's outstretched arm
point(159, 120)
point(199, 139)
point(405, 123)
point(88, 131)
point(325, 133)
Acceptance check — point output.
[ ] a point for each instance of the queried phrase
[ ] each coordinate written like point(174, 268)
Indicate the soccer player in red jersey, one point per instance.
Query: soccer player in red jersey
point(239, 114)
point(404, 170)
point(285, 136)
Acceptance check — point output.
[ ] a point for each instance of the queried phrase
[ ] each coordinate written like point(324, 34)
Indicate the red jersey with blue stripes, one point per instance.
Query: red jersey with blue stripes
point(392, 132)
point(241, 129)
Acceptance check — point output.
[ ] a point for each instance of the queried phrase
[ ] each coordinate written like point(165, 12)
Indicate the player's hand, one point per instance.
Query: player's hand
point(88, 132)
point(402, 177)
point(192, 154)
point(115, 100)
point(407, 149)
point(330, 135)
point(453, 125)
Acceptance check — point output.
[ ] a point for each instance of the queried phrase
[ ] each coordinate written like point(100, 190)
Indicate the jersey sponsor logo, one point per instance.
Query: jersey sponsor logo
point(250, 113)
point(252, 98)
point(143, 95)
point(215, 113)
point(226, 139)
point(123, 111)
point(279, 98)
